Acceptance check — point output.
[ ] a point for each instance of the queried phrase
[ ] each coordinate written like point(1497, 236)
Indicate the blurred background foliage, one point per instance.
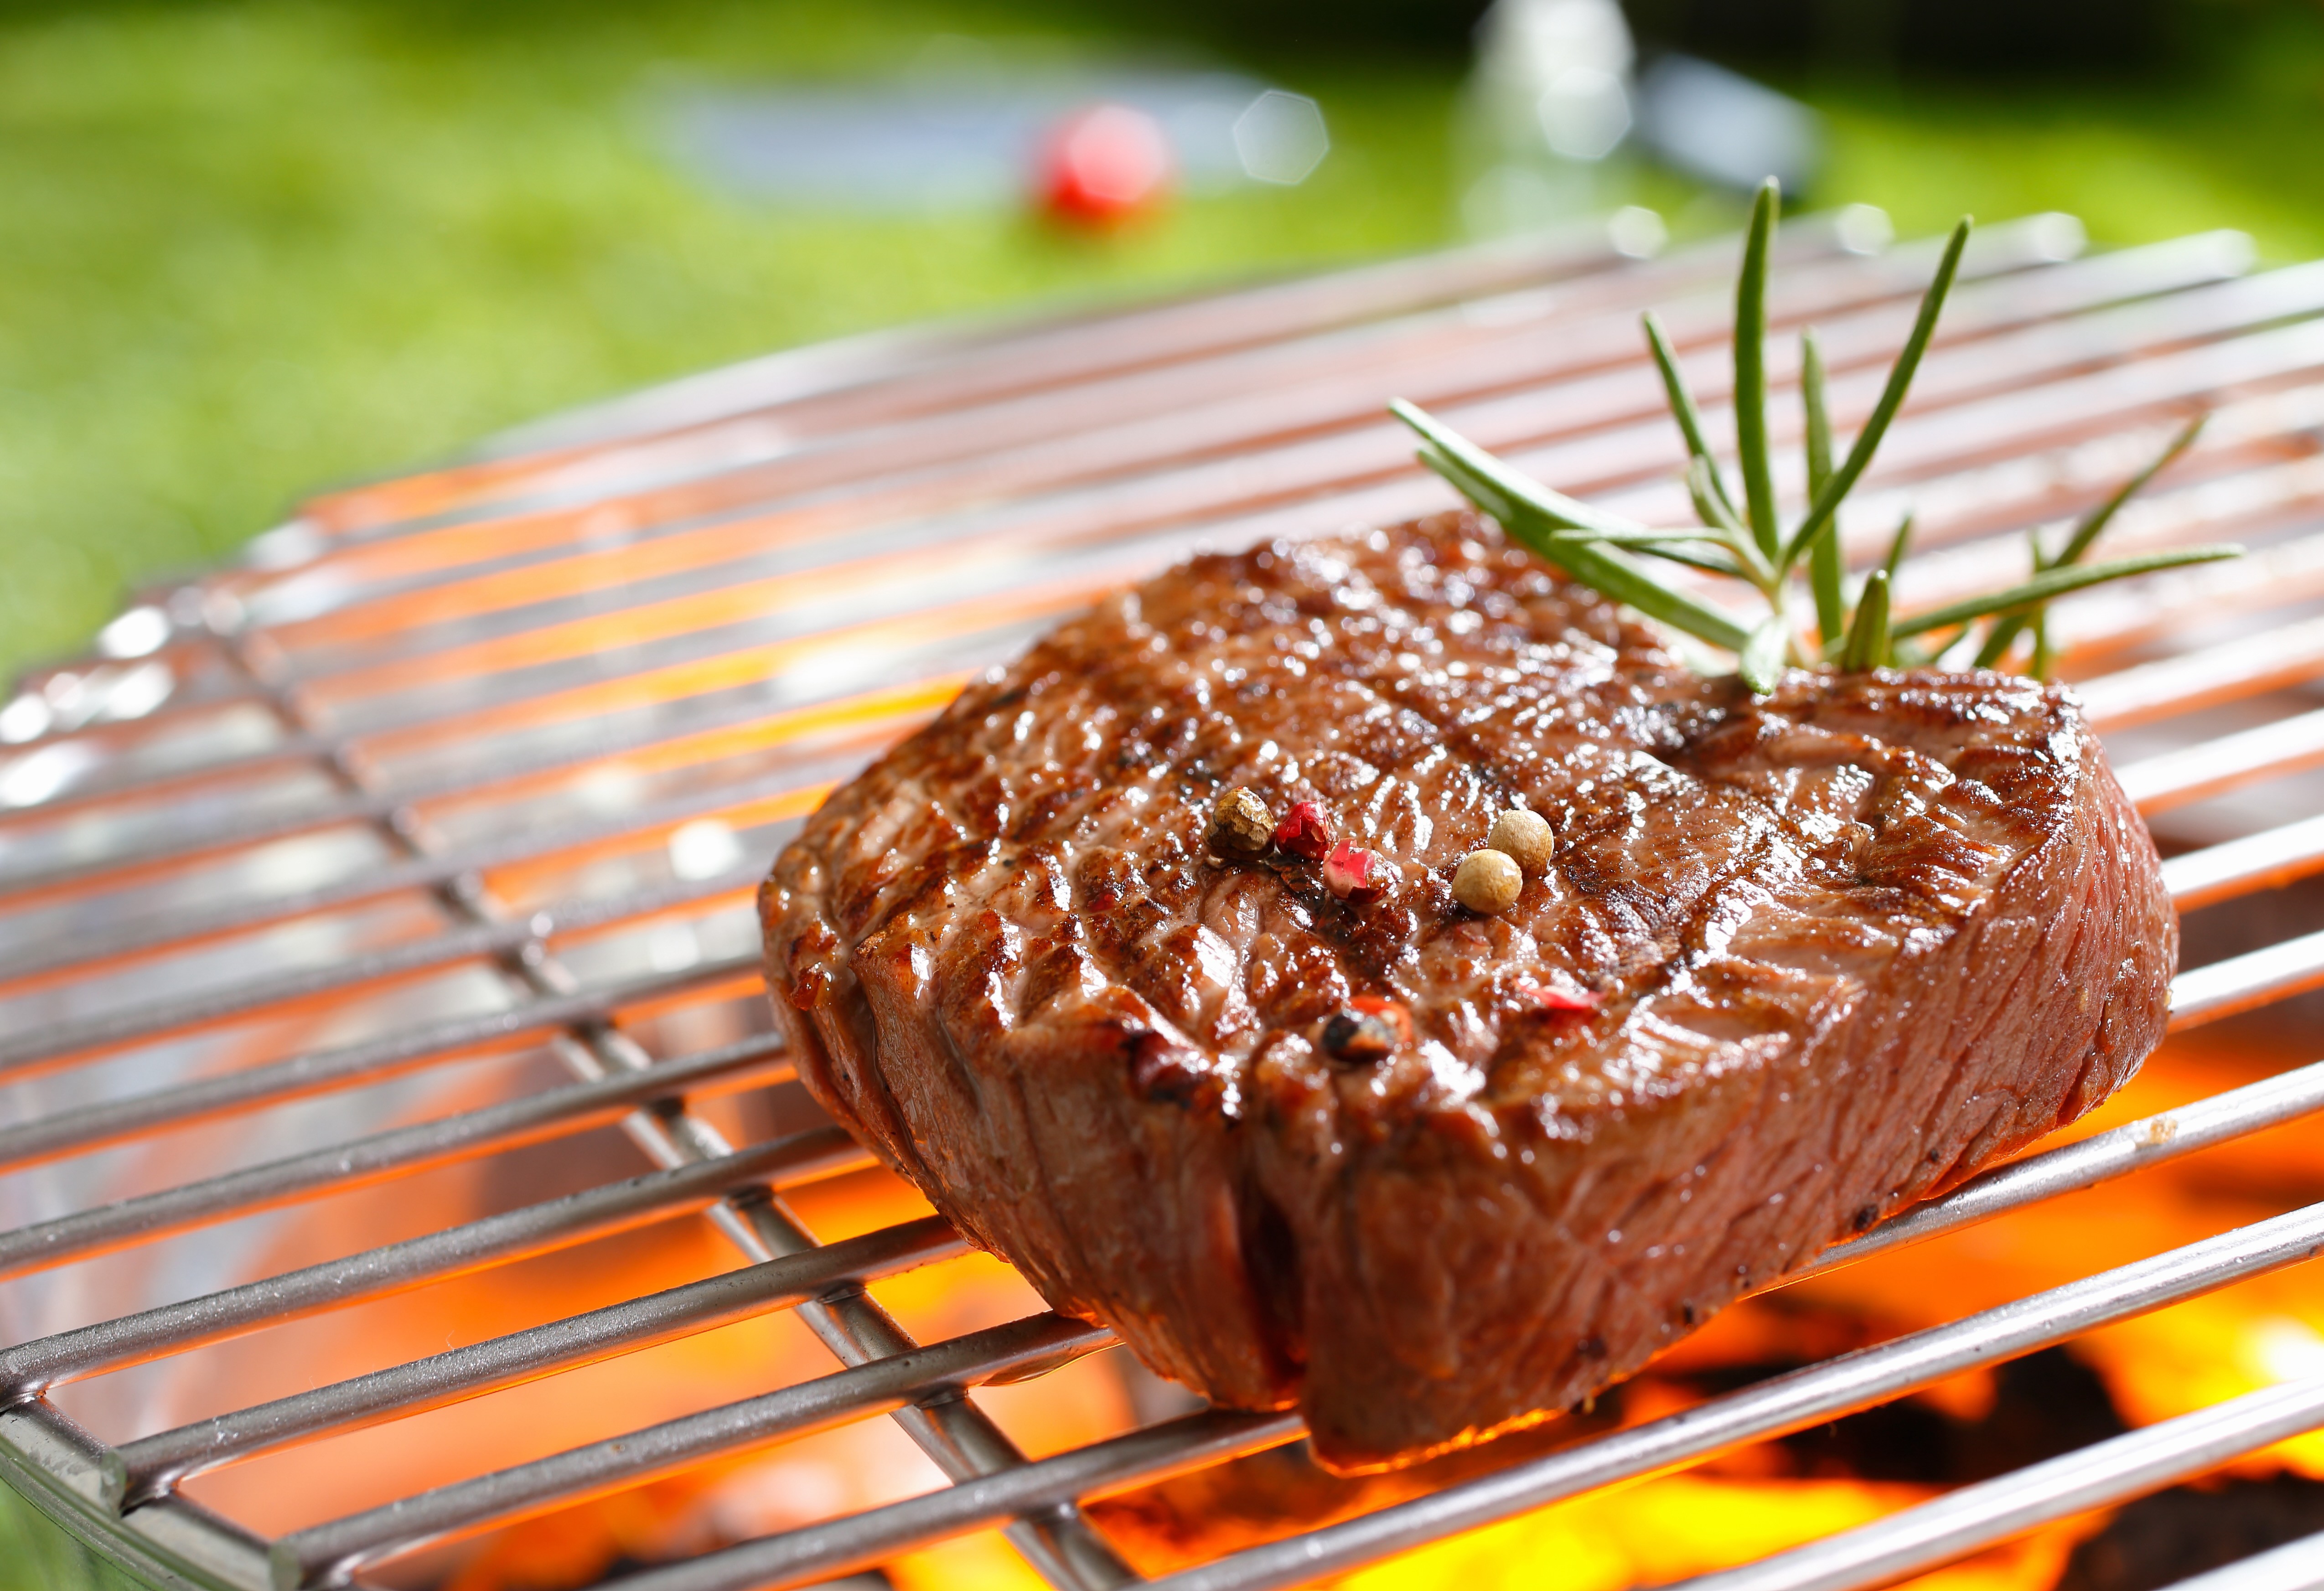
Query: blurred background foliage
point(36, 1556)
point(250, 247)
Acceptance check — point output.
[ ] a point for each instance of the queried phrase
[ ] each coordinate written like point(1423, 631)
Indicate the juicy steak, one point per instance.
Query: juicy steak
point(1836, 949)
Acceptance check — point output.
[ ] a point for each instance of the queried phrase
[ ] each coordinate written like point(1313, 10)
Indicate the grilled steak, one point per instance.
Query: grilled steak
point(1798, 960)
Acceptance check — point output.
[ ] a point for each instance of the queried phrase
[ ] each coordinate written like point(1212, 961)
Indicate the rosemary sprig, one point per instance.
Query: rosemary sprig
point(1547, 523)
point(2004, 634)
point(1869, 637)
point(1826, 575)
point(1751, 376)
point(1749, 543)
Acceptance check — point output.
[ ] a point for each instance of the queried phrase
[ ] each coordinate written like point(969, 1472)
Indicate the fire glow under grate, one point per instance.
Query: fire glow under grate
point(396, 1150)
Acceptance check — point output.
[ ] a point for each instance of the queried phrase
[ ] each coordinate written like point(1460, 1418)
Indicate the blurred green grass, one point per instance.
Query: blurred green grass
point(253, 247)
point(36, 1556)
point(2229, 135)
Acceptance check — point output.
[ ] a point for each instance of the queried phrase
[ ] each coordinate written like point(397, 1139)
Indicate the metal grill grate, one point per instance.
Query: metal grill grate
point(477, 769)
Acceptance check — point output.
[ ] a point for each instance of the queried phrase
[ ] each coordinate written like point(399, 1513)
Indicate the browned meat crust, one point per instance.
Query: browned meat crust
point(1854, 941)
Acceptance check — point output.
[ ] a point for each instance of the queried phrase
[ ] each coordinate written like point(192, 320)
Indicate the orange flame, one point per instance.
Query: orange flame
point(1731, 1511)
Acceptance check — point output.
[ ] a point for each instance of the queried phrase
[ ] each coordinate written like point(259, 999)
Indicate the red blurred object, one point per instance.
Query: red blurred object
point(1105, 164)
point(1304, 831)
point(1558, 999)
point(1393, 1013)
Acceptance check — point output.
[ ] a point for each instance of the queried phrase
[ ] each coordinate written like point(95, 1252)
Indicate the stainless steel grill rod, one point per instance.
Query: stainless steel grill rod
point(317, 1070)
point(2071, 1168)
point(1415, 484)
point(2239, 983)
point(145, 1468)
point(2240, 867)
point(552, 1113)
point(952, 1431)
point(673, 715)
point(31, 1367)
point(820, 1552)
point(98, 792)
point(2173, 778)
point(2115, 263)
point(630, 1458)
point(2281, 655)
point(329, 1553)
point(1312, 465)
point(810, 451)
point(474, 942)
point(1157, 418)
point(2280, 574)
point(156, 930)
point(1055, 350)
point(225, 831)
point(1212, 496)
point(1785, 1404)
point(1811, 284)
point(1980, 1515)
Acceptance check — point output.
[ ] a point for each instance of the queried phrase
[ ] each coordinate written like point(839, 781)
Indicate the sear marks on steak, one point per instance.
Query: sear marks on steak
point(1834, 949)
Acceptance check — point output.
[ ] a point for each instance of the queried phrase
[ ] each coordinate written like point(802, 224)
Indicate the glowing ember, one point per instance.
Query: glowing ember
point(1728, 1511)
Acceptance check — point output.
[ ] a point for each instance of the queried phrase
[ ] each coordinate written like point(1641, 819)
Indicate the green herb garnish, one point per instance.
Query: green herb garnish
point(1748, 541)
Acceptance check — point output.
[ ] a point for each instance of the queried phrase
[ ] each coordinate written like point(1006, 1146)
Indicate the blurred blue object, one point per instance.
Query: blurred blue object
point(974, 140)
point(1724, 128)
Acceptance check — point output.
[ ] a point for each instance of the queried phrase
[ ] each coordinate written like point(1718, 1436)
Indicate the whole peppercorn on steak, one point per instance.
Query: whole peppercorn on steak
point(1793, 960)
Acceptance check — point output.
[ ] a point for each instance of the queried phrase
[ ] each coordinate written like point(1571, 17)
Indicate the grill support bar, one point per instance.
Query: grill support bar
point(67, 1131)
point(952, 1431)
point(31, 1368)
point(330, 1553)
point(555, 1113)
point(139, 1471)
point(2185, 345)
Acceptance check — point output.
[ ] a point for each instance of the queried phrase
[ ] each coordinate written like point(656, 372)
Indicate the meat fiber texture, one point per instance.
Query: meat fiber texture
point(1838, 948)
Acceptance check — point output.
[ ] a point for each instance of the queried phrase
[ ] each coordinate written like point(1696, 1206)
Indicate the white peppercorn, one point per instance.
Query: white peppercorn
point(1524, 837)
point(1487, 881)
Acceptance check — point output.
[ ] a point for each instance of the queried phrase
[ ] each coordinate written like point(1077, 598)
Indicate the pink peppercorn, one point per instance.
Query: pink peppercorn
point(1304, 832)
point(1353, 873)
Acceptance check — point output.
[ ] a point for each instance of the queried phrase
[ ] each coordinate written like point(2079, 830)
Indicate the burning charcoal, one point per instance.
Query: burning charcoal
point(2175, 1535)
